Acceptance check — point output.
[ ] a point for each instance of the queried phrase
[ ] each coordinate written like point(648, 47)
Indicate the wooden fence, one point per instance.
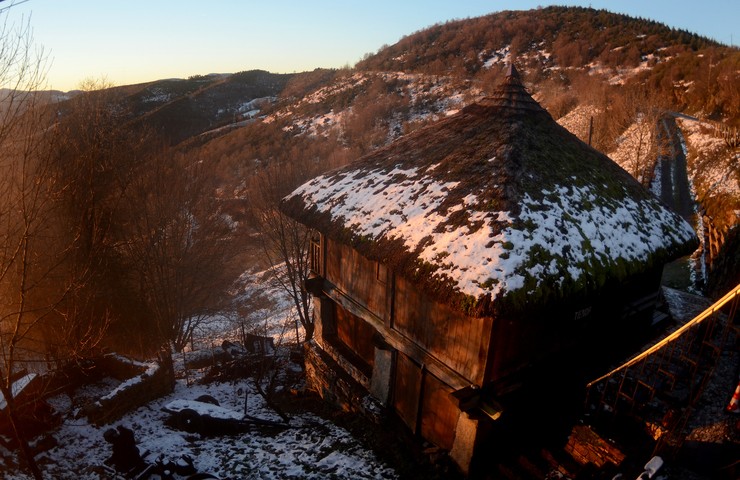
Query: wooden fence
point(662, 385)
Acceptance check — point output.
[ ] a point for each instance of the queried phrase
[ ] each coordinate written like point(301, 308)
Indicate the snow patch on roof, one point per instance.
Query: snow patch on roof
point(557, 236)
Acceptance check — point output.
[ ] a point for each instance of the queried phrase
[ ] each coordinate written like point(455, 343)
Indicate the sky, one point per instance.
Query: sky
point(134, 41)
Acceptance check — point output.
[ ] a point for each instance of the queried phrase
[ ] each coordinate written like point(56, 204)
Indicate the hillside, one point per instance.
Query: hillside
point(557, 45)
point(584, 65)
point(179, 109)
point(639, 71)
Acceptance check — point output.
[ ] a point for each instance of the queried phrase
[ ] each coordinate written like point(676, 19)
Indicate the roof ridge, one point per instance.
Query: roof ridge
point(513, 73)
point(511, 93)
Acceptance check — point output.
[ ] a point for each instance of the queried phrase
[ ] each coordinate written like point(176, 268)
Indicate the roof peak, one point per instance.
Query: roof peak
point(512, 72)
point(511, 93)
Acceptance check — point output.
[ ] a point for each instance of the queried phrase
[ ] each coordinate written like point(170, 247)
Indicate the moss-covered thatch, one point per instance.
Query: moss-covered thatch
point(496, 205)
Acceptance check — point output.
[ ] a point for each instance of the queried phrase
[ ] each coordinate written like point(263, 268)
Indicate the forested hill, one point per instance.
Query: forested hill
point(575, 36)
point(567, 55)
point(564, 52)
point(179, 109)
point(557, 44)
point(263, 132)
point(575, 61)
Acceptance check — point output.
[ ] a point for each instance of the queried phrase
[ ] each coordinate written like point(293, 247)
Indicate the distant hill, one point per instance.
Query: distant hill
point(182, 108)
point(577, 62)
point(558, 44)
point(585, 66)
point(568, 55)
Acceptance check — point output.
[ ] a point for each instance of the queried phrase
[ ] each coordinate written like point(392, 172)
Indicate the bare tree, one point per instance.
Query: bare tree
point(180, 248)
point(93, 158)
point(634, 111)
point(643, 141)
point(49, 252)
point(33, 280)
point(285, 242)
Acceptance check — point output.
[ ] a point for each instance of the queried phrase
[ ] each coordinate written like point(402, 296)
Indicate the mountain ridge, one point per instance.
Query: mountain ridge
point(585, 66)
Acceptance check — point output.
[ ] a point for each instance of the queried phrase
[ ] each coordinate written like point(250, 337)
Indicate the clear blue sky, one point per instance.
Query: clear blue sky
point(141, 40)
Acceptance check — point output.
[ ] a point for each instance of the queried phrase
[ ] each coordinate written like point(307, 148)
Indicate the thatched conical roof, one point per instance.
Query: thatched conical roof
point(495, 205)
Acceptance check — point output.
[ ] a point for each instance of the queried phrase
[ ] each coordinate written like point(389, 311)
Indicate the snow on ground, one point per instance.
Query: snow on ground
point(710, 161)
point(633, 147)
point(709, 423)
point(698, 272)
point(684, 306)
point(157, 95)
point(319, 125)
point(17, 387)
point(617, 76)
point(577, 120)
point(656, 184)
point(501, 56)
point(430, 96)
point(266, 311)
point(251, 108)
point(311, 448)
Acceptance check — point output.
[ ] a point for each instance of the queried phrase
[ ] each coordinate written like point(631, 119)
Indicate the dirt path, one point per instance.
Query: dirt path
point(674, 191)
point(674, 180)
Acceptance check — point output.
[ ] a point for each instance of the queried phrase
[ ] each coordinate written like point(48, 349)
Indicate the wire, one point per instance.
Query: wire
point(13, 4)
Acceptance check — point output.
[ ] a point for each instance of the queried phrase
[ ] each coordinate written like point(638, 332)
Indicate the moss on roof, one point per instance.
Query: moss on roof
point(496, 205)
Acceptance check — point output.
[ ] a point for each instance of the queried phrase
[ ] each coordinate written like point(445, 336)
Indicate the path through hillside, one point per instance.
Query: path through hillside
point(674, 179)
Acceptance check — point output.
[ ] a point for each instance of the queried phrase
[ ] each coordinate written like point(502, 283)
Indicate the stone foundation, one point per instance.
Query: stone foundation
point(325, 376)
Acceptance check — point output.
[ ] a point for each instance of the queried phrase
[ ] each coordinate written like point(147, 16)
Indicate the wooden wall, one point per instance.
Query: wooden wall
point(436, 349)
point(424, 403)
point(517, 344)
point(357, 335)
point(457, 340)
point(438, 412)
point(580, 332)
point(358, 276)
point(407, 389)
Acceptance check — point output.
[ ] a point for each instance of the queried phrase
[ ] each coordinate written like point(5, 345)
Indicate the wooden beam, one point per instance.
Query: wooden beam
point(397, 340)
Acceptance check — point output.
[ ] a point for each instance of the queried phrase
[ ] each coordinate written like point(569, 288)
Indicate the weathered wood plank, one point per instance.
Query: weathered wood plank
point(397, 340)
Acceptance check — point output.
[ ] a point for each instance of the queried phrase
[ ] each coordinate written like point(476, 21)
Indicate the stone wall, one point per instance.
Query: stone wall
point(335, 385)
point(143, 382)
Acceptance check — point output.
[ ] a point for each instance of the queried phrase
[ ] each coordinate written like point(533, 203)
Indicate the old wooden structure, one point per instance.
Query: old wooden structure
point(472, 260)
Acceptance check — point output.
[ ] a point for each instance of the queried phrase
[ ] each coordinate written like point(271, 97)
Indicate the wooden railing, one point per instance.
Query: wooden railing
point(662, 385)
